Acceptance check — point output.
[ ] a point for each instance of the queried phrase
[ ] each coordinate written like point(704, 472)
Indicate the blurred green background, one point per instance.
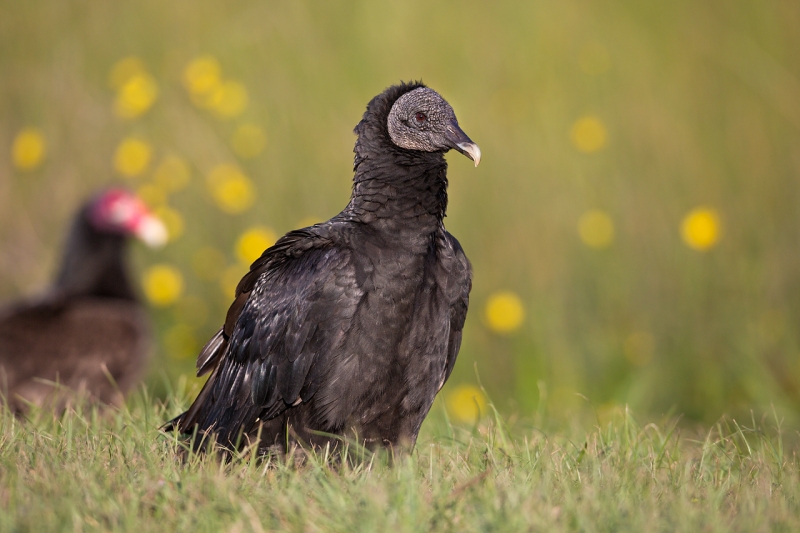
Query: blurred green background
point(633, 226)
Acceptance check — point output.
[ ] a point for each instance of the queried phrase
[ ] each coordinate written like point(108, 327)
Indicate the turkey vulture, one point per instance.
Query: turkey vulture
point(87, 332)
point(349, 327)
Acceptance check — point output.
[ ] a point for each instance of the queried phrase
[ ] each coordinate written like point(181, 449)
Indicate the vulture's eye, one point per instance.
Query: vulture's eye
point(420, 118)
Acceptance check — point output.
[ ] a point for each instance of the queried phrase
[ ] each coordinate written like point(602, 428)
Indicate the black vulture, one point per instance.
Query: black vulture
point(87, 333)
point(352, 326)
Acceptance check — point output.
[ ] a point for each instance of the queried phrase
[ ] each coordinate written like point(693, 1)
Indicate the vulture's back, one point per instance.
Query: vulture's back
point(49, 352)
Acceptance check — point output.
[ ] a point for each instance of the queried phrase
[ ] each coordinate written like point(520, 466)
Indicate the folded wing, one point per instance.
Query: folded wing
point(291, 312)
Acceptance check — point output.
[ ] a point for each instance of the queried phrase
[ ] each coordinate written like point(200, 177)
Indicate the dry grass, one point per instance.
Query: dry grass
point(698, 100)
point(87, 471)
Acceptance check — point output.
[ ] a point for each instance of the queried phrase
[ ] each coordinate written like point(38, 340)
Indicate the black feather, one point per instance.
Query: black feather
point(352, 325)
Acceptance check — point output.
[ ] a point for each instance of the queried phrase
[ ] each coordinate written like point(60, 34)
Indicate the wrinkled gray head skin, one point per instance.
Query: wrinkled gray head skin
point(422, 120)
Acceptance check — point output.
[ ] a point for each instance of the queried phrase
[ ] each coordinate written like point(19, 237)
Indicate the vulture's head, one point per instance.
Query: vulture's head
point(422, 120)
point(415, 117)
point(120, 212)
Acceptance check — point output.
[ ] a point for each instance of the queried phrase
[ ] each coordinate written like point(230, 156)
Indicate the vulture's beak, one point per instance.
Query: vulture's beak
point(461, 142)
point(151, 231)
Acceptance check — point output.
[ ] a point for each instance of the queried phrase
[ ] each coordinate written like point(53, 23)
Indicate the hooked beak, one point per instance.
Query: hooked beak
point(459, 141)
point(151, 231)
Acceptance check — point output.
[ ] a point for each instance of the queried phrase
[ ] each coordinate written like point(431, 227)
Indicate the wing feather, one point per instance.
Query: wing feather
point(286, 320)
point(462, 278)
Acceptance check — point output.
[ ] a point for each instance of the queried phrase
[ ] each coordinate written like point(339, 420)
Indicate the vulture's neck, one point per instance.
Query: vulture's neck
point(93, 264)
point(399, 191)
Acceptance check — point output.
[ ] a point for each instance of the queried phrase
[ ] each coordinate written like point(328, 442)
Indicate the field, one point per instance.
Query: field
point(115, 472)
point(634, 228)
point(634, 219)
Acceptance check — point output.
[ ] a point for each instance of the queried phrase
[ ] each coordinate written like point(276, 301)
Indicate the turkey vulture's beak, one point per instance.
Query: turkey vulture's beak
point(151, 231)
point(461, 142)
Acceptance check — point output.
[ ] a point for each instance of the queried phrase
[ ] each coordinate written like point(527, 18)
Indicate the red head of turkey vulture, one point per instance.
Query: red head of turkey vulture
point(87, 332)
point(350, 327)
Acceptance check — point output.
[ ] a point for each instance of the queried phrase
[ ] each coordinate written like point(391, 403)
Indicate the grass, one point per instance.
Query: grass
point(698, 100)
point(92, 471)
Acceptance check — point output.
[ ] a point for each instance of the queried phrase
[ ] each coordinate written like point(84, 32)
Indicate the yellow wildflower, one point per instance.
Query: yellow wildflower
point(162, 284)
point(588, 134)
point(596, 228)
point(208, 263)
point(252, 243)
point(466, 403)
point(229, 99)
point(504, 312)
point(132, 157)
point(172, 174)
point(701, 228)
point(248, 141)
point(232, 191)
point(29, 149)
point(136, 96)
point(125, 69)
point(172, 219)
point(202, 75)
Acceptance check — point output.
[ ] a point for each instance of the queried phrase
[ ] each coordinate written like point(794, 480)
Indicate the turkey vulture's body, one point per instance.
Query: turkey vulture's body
point(87, 333)
point(350, 327)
